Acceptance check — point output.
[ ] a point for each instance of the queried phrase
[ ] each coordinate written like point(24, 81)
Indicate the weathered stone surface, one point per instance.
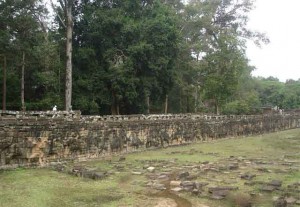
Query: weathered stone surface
point(222, 188)
point(199, 185)
point(280, 202)
point(99, 175)
point(183, 175)
point(233, 166)
point(188, 188)
point(219, 194)
point(291, 200)
point(248, 176)
point(268, 188)
point(159, 186)
point(196, 191)
point(187, 183)
point(163, 177)
point(151, 169)
point(177, 189)
point(175, 183)
point(276, 183)
point(39, 138)
point(136, 173)
point(82, 171)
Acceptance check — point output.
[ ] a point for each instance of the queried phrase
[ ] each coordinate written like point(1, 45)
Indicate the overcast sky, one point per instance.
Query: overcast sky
point(280, 20)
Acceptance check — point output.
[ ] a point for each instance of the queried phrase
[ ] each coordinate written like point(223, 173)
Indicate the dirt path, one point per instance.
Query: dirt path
point(165, 202)
point(168, 202)
point(168, 195)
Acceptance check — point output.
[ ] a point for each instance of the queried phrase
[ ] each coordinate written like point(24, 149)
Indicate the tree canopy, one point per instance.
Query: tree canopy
point(132, 56)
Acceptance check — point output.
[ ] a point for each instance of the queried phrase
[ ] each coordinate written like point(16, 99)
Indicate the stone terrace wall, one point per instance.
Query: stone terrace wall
point(42, 138)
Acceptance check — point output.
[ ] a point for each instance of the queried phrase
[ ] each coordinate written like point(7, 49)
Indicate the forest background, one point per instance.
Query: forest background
point(133, 57)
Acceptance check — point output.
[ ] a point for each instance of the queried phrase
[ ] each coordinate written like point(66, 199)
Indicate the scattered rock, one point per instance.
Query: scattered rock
point(119, 167)
point(122, 158)
point(276, 183)
point(149, 184)
point(151, 169)
point(175, 183)
point(268, 188)
point(99, 175)
point(248, 176)
point(280, 202)
point(163, 177)
point(177, 189)
point(229, 188)
point(199, 185)
point(136, 173)
point(188, 188)
point(187, 183)
point(272, 186)
point(233, 166)
point(291, 200)
point(219, 194)
point(294, 186)
point(146, 166)
point(84, 172)
point(159, 186)
point(196, 192)
point(183, 175)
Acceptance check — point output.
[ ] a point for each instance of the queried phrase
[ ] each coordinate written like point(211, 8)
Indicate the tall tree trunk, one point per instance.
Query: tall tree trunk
point(180, 101)
point(196, 99)
point(166, 104)
point(69, 28)
point(23, 83)
point(217, 108)
point(114, 104)
point(187, 104)
point(4, 85)
point(118, 109)
point(148, 104)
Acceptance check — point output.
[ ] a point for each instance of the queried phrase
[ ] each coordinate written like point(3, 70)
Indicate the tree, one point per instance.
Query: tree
point(125, 54)
point(216, 32)
point(20, 31)
point(66, 8)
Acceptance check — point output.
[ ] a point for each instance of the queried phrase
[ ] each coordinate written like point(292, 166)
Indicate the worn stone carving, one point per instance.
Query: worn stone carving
point(38, 138)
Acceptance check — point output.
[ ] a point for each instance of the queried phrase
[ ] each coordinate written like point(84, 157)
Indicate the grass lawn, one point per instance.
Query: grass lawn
point(270, 157)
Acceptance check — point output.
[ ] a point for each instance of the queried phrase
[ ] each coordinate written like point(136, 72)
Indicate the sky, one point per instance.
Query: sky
point(280, 20)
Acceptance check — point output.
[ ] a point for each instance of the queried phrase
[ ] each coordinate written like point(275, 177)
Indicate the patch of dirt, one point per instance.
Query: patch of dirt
point(179, 201)
point(165, 202)
point(168, 202)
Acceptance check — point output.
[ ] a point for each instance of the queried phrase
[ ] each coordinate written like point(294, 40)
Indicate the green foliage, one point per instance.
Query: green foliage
point(123, 58)
point(23, 31)
point(236, 107)
point(127, 51)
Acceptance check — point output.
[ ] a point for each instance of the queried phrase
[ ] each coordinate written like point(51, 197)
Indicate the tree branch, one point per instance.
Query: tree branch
point(59, 17)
